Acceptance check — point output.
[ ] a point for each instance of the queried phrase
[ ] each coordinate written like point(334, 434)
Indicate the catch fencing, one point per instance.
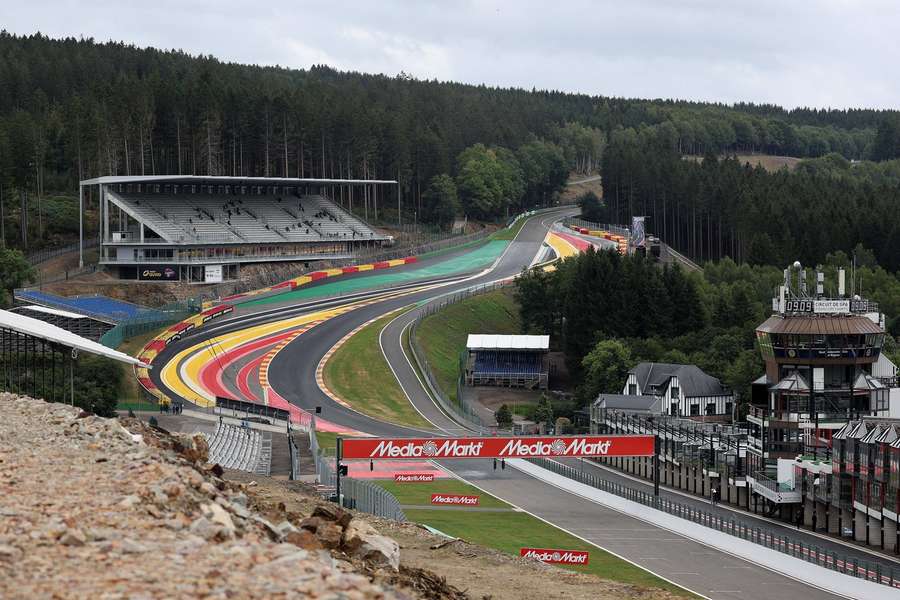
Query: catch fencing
point(357, 494)
point(812, 553)
point(159, 318)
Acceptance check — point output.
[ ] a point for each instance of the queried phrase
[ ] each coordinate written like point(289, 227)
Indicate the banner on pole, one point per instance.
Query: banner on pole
point(638, 237)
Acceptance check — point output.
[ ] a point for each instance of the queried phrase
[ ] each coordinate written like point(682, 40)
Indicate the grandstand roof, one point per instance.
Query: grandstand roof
point(486, 341)
point(53, 311)
point(116, 179)
point(52, 333)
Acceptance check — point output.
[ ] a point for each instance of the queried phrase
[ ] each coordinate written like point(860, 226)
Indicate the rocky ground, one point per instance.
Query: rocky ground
point(105, 508)
point(95, 508)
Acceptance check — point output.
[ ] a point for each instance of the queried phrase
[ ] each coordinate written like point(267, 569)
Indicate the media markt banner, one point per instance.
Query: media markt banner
point(157, 273)
point(559, 557)
point(454, 499)
point(638, 238)
point(413, 477)
point(500, 447)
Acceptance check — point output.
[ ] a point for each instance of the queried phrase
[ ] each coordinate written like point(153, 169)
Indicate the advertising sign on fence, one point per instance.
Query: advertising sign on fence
point(454, 500)
point(158, 273)
point(500, 447)
point(559, 557)
point(413, 477)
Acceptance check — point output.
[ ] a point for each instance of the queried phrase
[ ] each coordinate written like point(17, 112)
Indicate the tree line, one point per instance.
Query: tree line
point(74, 108)
point(607, 312)
point(716, 207)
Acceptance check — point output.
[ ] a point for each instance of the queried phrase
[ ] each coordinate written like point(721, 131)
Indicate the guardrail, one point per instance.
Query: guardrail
point(863, 569)
point(461, 410)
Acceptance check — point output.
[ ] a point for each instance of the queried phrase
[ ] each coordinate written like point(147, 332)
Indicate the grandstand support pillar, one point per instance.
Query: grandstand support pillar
point(80, 226)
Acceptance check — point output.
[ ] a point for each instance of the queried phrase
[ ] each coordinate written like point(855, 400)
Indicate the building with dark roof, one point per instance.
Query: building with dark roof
point(682, 390)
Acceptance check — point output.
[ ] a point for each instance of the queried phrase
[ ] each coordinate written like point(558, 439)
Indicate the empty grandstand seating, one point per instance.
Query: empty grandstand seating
point(240, 448)
point(221, 218)
point(96, 306)
point(508, 363)
point(507, 368)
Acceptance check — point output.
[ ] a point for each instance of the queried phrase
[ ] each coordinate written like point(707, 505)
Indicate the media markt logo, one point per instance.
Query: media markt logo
point(429, 448)
point(565, 557)
point(558, 447)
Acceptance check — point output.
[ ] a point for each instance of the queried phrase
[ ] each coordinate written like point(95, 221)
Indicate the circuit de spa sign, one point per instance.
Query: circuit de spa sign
point(499, 447)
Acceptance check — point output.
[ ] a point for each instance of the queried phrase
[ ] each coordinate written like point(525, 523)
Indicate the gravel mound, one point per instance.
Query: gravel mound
point(98, 508)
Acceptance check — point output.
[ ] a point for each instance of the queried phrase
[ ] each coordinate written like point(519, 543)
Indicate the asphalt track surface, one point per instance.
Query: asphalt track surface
point(292, 373)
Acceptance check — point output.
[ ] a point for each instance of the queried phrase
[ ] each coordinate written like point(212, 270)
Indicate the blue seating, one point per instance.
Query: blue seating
point(95, 306)
point(505, 363)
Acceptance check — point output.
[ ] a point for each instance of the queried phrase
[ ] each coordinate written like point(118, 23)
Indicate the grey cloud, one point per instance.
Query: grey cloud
point(839, 53)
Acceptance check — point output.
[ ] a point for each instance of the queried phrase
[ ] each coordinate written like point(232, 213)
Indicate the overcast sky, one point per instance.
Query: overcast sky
point(824, 53)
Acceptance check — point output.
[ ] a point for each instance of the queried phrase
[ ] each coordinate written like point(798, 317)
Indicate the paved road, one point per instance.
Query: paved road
point(688, 563)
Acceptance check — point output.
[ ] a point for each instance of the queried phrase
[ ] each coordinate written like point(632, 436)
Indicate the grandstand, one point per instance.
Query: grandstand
point(201, 229)
point(507, 360)
point(240, 448)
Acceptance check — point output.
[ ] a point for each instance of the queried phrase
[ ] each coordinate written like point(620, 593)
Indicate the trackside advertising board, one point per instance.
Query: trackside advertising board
point(413, 477)
point(499, 447)
point(559, 557)
point(454, 500)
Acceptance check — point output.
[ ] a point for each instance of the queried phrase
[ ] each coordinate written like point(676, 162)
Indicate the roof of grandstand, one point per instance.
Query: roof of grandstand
point(97, 307)
point(483, 341)
point(46, 331)
point(50, 311)
point(224, 179)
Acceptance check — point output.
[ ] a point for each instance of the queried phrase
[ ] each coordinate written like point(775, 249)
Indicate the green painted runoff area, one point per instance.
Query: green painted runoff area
point(479, 257)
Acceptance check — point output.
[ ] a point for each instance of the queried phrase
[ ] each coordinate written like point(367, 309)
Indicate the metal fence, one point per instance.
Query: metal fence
point(357, 494)
point(863, 569)
point(40, 256)
point(461, 409)
point(161, 317)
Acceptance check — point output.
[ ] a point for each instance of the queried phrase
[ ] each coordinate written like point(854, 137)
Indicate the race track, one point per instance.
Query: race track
point(273, 350)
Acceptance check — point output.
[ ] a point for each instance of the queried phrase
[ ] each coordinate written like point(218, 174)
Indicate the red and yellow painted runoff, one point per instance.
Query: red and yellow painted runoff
point(195, 372)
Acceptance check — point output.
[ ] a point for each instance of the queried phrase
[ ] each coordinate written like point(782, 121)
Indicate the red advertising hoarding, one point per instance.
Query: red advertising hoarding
point(499, 447)
point(454, 500)
point(559, 557)
point(413, 477)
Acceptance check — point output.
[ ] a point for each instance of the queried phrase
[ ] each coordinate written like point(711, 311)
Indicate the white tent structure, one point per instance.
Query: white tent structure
point(28, 354)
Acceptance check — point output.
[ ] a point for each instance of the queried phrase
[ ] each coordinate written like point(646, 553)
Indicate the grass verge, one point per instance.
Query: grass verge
point(359, 373)
point(442, 335)
point(509, 233)
point(131, 394)
point(419, 494)
point(511, 531)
